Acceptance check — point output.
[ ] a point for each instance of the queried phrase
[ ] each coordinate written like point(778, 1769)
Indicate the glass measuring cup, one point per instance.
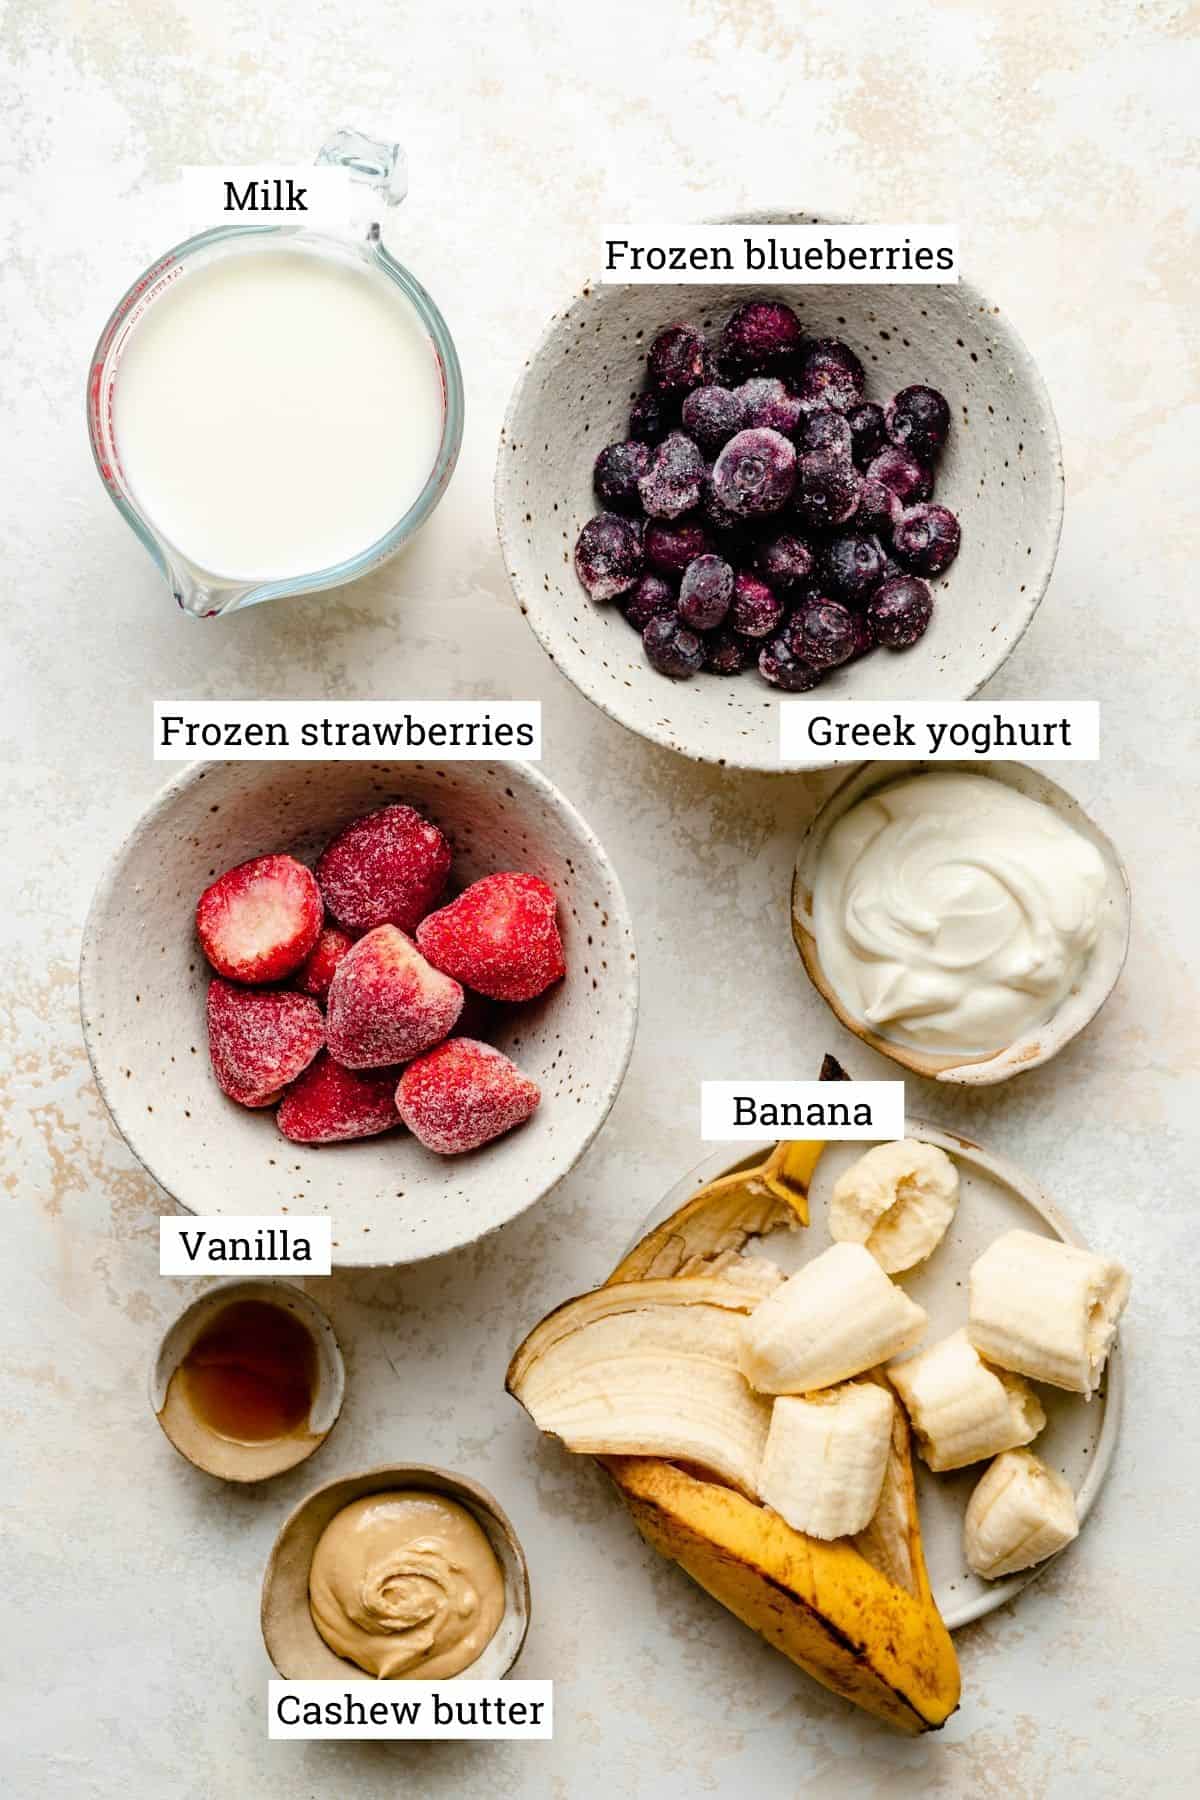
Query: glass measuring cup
point(375, 179)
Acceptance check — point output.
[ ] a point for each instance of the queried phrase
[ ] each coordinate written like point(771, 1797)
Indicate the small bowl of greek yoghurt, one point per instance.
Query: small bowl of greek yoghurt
point(965, 919)
point(400, 1573)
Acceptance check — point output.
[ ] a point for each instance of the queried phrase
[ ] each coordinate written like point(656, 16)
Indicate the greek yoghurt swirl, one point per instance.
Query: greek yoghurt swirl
point(406, 1584)
point(953, 914)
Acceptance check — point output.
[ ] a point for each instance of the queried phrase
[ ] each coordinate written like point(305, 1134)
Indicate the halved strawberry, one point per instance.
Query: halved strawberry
point(462, 1095)
point(259, 921)
point(331, 1105)
point(259, 1042)
point(387, 868)
point(499, 937)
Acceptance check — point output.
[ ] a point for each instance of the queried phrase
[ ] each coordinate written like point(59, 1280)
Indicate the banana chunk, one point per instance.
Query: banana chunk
point(1046, 1309)
point(834, 1318)
point(898, 1200)
point(826, 1457)
point(962, 1411)
point(1020, 1513)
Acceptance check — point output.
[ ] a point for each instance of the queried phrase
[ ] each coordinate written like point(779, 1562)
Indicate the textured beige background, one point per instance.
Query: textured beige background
point(130, 1642)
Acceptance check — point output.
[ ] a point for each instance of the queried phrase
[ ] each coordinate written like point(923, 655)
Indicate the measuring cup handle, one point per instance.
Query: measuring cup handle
point(378, 172)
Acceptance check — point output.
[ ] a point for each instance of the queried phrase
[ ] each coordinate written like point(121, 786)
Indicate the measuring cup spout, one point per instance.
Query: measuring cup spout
point(377, 176)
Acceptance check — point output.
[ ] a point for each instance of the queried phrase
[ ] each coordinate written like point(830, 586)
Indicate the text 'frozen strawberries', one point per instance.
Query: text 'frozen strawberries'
point(259, 1042)
point(386, 1003)
point(332, 1105)
point(464, 1094)
point(500, 937)
point(259, 921)
point(387, 868)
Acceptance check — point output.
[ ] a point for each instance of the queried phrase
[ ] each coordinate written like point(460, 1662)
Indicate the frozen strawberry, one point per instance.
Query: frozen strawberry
point(259, 921)
point(499, 937)
point(259, 1042)
point(316, 974)
point(331, 1105)
point(388, 868)
point(386, 1003)
point(462, 1095)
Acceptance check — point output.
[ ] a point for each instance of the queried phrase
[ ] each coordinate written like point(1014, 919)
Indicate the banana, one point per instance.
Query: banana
point(898, 1200)
point(1046, 1309)
point(826, 1457)
point(834, 1318)
point(648, 1368)
point(962, 1411)
point(1020, 1513)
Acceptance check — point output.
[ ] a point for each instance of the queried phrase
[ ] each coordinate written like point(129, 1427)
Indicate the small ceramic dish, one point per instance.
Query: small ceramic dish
point(143, 982)
point(1081, 1004)
point(995, 1196)
point(294, 1644)
point(1001, 472)
point(221, 1456)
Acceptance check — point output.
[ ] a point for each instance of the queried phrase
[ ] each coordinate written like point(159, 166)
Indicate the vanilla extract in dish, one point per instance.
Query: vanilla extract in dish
point(251, 1375)
point(278, 411)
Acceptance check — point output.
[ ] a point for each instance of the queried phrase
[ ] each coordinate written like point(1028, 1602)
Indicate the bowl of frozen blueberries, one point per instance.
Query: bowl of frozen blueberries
point(712, 497)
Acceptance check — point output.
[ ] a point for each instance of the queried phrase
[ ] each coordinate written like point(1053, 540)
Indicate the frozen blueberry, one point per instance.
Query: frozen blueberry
point(754, 473)
point(926, 539)
point(900, 610)
point(678, 360)
point(670, 548)
point(824, 431)
point(822, 633)
point(779, 664)
point(827, 490)
point(831, 374)
point(616, 474)
point(671, 485)
point(725, 653)
point(785, 561)
point(901, 471)
point(672, 649)
point(918, 419)
point(853, 566)
point(761, 338)
point(864, 635)
point(765, 401)
point(608, 555)
point(649, 419)
point(705, 592)
point(756, 609)
point(711, 415)
point(649, 600)
point(868, 431)
point(878, 508)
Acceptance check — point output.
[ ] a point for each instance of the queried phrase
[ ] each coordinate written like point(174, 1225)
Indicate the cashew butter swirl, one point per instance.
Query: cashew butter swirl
point(953, 914)
point(406, 1585)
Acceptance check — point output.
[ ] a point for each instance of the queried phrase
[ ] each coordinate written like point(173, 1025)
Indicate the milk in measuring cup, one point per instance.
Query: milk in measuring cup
point(277, 412)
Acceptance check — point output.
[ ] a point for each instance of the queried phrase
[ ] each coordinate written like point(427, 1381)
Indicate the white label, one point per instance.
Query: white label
point(411, 1709)
point(847, 731)
point(347, 730)
point(739, 1111)
point(222, 1244)
point(695, 254)
point(293, 194)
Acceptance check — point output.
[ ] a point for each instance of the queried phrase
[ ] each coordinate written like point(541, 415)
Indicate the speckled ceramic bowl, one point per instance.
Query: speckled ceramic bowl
point(143, 982)
point(1080, 1005)
point(294, 1644)
point(1001, 472)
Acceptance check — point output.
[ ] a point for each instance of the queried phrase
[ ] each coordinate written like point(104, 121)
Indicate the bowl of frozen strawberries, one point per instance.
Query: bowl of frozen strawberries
point(711, 498)
point(403, 995)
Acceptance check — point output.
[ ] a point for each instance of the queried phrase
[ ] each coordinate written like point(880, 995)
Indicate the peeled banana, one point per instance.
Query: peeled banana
point(648, 1368)
point(960, 1410)
point(826, 1457)
point(1046, 1309)
point(1020, 1513)
point(898, 1200)
point(834, 1318)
